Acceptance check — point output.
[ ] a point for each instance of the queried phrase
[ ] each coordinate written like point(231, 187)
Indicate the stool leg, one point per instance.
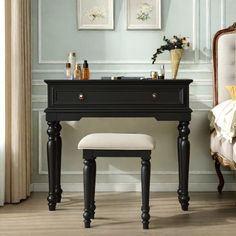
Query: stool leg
point(145, 181)
point(87, 192)
point(93, 180)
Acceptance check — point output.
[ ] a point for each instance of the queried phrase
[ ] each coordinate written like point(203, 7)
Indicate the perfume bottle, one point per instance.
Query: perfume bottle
point(85, 71)
point(77, 72)
point(162, 72)
point(72, 60)
point(68, 71)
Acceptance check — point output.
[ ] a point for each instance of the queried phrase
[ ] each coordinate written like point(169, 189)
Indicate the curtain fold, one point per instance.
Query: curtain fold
point(18, 101)
point(2, 102)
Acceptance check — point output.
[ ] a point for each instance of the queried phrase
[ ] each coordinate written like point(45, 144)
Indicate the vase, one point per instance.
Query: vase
point(175, 57)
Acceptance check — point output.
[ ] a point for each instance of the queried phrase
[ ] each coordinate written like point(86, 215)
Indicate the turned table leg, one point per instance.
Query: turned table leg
point(58, 189)
point(87, 171)
point(183, 158)
point(54, 163)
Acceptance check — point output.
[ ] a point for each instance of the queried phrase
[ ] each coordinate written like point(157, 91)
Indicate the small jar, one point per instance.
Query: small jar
point(154, 75)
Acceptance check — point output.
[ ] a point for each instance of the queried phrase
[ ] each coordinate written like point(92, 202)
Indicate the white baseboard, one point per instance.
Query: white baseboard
point(135, 187)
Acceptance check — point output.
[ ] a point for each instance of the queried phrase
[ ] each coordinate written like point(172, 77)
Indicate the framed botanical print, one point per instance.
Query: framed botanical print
point(143, 14)
point(95, 14)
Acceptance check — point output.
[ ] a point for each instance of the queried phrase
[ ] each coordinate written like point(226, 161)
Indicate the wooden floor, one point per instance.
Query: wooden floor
point(119, 214)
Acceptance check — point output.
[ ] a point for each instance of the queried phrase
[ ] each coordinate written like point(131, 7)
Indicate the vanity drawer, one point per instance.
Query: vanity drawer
point(116, 95)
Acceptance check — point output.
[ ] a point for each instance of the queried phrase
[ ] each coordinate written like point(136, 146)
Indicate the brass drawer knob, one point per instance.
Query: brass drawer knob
point(81, 96)
point(154, 95)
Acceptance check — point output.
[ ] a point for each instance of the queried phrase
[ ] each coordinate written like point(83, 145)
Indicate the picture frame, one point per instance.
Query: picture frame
point(143, 14)
point(95, 14)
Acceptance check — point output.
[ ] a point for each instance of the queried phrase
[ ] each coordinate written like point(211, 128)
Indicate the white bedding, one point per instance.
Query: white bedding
point(223, 119)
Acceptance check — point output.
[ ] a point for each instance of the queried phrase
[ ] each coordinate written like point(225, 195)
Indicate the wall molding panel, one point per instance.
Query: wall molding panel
point(41, 116)
point(196, 39)
point(222, 14)
point(208, 25)
point(39, 98)
point(39, 31)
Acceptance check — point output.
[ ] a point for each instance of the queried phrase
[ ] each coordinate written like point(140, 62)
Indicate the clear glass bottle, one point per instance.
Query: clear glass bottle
point(72, 60)
point(77, 72)
point(68, 72)
point(162, 72)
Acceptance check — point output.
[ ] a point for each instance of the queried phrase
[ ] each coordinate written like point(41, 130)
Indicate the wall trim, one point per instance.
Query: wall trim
point(200, 98)
point(99, 62)
point(191, 173)
point(40, 115)
point(51, 71)
point(208, 25)
point(201, 109)
point(39, 98)
point(38, 109)
point(135, 187)
point(39, 31)
point(196, 28)
point(222, 14)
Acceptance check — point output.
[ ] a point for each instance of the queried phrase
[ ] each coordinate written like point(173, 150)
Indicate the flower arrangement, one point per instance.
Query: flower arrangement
point(143, 13)
point(174, 43)
point(95, 13)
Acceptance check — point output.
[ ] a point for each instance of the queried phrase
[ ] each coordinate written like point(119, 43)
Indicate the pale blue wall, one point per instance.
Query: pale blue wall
point(126, 52)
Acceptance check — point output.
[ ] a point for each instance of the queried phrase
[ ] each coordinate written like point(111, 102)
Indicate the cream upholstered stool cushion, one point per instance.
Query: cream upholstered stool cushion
point(115, 145)
point(117, 141)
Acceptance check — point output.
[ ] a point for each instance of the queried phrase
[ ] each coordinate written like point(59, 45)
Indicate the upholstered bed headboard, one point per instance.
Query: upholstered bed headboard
point(224, 62)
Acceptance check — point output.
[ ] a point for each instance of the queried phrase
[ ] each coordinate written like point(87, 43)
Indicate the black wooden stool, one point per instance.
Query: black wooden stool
point(115, 145)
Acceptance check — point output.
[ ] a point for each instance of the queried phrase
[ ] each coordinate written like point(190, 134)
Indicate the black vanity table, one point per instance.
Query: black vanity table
point(70, 100)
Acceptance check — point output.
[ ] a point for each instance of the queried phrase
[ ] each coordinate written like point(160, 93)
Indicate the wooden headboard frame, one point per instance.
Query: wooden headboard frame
point(228, 30)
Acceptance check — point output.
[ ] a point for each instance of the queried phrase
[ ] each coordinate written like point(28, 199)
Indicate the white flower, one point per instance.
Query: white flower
point(173, 40)
point(96, 12)
point(144, 12)
point(185, 41)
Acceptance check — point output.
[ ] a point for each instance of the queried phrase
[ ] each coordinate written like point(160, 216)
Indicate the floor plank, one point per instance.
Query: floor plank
point(118, 213)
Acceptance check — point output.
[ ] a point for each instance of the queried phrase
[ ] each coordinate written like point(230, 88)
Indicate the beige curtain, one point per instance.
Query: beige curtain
point(18, 100)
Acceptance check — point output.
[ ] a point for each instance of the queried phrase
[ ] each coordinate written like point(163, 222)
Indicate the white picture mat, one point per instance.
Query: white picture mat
point(150, 7)
point(95, 14)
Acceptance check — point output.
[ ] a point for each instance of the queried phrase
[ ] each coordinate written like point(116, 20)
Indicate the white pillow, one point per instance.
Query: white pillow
point(223, 119)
